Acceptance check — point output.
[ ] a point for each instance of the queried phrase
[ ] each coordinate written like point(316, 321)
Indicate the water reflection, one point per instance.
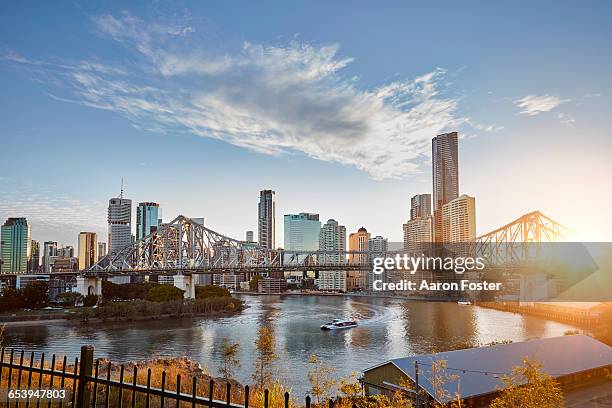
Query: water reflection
point(387, 329)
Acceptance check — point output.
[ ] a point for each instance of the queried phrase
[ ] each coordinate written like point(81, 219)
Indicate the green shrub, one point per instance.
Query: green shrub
point(210, 291)
point(164, 293)
point(90, 300)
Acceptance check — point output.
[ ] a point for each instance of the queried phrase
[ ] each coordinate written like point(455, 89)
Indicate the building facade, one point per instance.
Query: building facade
point(420, 206)
point(417, 235)
point(266, 219)
point(101, 249)
point(49, 253)
point(15, 245)
point(88, 250)
point(119, 224)
point(359, 241)
point(148, 218)
point(445, 175)
point(34, 262)
point(459, 220)
point(302, 232)
point(249, 236)
point(332, 237)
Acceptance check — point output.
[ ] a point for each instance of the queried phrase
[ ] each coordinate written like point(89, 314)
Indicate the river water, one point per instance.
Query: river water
point(388, 328)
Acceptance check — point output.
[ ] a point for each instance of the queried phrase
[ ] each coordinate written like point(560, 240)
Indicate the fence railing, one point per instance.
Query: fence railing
point(88, 383)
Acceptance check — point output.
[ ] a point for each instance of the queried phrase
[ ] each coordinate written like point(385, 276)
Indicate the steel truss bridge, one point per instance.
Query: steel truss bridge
point(186, 247)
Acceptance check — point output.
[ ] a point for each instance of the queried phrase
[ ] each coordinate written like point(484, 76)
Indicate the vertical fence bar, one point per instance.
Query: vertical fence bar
point(193, 391)
point(121, 370)
point(40, 375)
point(228, 395)
point(134, 380)
point(85, 370)
point(51, 378)
point(95, 387)
point(108, 376)
point(266, 398)
point(1, 363)
point(211, 393)
point(74, 381)
point(19, 377)
point(163, 389)
point(308, 401)
point(148, 401)
point(178, 390)
point(246, 396)
point(10, 374)
point(63, 381)
point(331, 403)
point(30, 369)
point(286, 399)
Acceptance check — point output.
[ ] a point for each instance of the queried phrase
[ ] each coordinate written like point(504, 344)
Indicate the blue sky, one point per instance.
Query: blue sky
point(199, 105)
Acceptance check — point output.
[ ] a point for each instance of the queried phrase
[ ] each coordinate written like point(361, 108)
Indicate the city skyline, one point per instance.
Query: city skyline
point(534, 136)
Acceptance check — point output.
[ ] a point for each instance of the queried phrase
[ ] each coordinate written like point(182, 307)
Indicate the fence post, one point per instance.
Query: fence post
point(85, 370)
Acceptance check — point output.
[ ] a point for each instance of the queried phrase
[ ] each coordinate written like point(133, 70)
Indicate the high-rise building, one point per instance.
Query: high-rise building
point(302, 232)
point(459, 220)
point(66, 251)
point(378, 245)
point(417, 235)
point(34, 262)
point(445, 174)
point(119, 224)
point(249, 236)
point(49, 253)
point(101, 249)
point(266, 216)
point(88, 249)
point(332, 237)
point(420, 206)
point(359, 241)
point(15, 245)
point(147, 219)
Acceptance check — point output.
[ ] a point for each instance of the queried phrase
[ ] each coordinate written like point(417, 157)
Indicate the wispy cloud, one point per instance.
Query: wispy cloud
point(273, 99)
point(535, 104)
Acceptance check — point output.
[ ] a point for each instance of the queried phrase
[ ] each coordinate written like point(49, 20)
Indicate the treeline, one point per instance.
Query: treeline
point(33, 296)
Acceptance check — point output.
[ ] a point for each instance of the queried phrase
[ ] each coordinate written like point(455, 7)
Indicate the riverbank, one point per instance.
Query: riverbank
point(377, 295)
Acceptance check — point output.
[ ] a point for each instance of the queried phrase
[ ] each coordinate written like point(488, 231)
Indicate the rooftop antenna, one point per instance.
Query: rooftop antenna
point(121, 195)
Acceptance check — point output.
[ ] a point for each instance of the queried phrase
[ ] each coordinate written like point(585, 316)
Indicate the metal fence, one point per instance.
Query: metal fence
point(54, 383)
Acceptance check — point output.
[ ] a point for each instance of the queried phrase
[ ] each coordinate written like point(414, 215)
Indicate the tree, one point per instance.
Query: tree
point(229, 360)
point(11, 299)
point(321, 382)
point(90, 300)
point(253, 283)
point(35, 295)
point(529, 387)
point(210, 291)
point(266, 355)
point(164, 293)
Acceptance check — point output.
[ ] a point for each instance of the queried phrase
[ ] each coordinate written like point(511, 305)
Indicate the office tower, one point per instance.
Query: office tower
point(445, 174)
point(101, 249)
point(88, 249)
point(249, 236)
point(147, 219)
point(266, 215)
point(49, 253)
point(34, 261)
point(15, 245)
point(65, 251)
point(378, 245)
point(417, 235)
point(459, 220)
point(332, 237)
point(420, 206)
point(359, 241)
point(302, 232)
point(119, 224)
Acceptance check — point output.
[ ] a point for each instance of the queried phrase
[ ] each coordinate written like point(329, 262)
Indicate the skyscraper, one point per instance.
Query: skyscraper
point(101, 249)
point(15, 245)
point(49, 254)
point(266, 216)
point(147, 219)
point(249, 236)
point(417, 235)
point(445, 172)
point(332, 237)
point(359, 241)
point(88, 249)
point(302, 231)
point(420, 206)
point(119, 224)
point(459, 220)
point(34, 261)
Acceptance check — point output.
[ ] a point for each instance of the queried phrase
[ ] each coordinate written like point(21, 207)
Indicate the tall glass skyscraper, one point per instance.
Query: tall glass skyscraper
point(147, 219)
point(266, 214)
point(445, 172)
point(119, 224)
point(88, 249)
point(302, 232)
point(15, 245)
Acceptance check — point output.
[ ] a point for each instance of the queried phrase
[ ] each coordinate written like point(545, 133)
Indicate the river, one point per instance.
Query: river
point(388, 328)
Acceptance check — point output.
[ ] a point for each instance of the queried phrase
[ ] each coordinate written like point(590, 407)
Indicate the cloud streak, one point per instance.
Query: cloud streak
point(288, 98)
point(535, 104)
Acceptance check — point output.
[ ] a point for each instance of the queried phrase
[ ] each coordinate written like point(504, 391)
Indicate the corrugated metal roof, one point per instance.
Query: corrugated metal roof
point(559, 356)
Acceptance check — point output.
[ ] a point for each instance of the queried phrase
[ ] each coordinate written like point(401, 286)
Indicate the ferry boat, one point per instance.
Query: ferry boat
point(464, 302)
point(337, 324)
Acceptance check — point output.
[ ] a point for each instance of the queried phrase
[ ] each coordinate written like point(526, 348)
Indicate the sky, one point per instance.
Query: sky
point(199, 105)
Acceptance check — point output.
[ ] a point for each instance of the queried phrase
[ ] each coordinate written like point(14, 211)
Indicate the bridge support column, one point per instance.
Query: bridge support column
point(186, 283)
point(89, 285)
